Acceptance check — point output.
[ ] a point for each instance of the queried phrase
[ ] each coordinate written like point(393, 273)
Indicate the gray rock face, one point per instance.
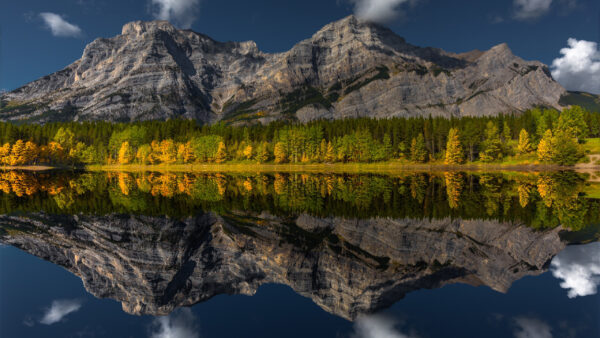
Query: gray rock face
point(348, 267)
point(347, 69)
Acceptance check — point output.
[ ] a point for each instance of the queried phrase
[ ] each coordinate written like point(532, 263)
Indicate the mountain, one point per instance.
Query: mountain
point(154, 264)
point(349, 68)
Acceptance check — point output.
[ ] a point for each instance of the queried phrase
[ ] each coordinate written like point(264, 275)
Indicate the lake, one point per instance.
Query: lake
point(449, 254)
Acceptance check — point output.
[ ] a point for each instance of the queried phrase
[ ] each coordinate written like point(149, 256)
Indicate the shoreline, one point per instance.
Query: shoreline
point(381, 167)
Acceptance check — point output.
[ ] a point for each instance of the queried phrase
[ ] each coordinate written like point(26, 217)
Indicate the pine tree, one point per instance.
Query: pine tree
point(566, 149)
point(262, 152)
point(418, 152)
point(221, 153)
point(454, 149)
point(492, 146)
point(524, 146)
point(387, 146)
point(545, 148)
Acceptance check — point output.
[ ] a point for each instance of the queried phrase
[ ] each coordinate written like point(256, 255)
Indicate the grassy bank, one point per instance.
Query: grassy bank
point(379, 167)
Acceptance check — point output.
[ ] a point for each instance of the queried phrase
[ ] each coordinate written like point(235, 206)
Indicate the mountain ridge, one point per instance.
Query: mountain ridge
point(349, 68)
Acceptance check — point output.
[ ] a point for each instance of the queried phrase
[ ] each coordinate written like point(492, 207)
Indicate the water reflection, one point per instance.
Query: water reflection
point(354, 244)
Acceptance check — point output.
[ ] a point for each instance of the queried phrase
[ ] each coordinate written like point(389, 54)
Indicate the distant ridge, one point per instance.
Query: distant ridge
point(349, 68)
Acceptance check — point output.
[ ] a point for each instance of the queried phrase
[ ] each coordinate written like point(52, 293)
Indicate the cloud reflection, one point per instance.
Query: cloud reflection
point(532, 328)
point(179, 324)
point(579, 268)
point(377, 326)
point(59, 310)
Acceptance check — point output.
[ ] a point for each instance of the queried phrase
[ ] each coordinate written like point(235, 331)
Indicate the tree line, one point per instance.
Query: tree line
point(547, 134)
point(541, 200)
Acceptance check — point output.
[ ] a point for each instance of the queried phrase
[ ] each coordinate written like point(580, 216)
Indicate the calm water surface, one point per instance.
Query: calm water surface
point(296, 255)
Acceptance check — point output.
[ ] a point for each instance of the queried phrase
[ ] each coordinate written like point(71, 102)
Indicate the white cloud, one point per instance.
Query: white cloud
point(532, 328)
point(530, 9)
point(579, 268)
point(59, 26)
point(377, 10)
point(59, 309)
point(181, 13)
point(579, 66)
point(179, 324)
point(377, 326)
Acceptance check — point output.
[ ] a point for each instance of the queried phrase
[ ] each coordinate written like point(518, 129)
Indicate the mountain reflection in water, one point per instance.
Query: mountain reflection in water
point(354, 244)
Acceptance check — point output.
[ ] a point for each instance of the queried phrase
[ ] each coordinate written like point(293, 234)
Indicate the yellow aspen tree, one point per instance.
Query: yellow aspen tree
point(31, 152)
point(221, 155)
point(454, 150)
point(5, 153)
point(168, 151)
point(524, 146)
point(545, 151)
point(248, 152)
point(280, 153)
point(125, 153)
point(17, 153)
point(330, 153)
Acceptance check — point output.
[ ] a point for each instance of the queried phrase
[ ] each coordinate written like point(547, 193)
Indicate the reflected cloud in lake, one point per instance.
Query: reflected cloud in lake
point(532, 328)
point(579, 269)
point(179, 324)
point(59, 310)
point(378, 326)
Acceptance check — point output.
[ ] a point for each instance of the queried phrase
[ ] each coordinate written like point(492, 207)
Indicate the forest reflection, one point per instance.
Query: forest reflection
point(540, 200)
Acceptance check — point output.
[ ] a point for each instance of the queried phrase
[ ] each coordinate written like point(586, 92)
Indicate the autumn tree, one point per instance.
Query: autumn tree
point(221, 155)
point(545, 147)
point(125, 153)
point(524, 146)
point(330, 153)
point(280, 153)
point(5, 153)
point(17, 153)
point(454, 150)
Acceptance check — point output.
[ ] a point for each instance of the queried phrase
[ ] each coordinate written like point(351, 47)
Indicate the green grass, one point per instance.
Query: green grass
point(592, 145)
point(592, 191)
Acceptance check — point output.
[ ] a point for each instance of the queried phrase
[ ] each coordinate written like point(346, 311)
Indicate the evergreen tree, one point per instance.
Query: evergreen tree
point(566, 149)
point(418, 151)
point(492, 145)
point(454, 150)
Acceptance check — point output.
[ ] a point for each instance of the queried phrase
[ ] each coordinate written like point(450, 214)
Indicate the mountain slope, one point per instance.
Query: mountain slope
point(348, 68)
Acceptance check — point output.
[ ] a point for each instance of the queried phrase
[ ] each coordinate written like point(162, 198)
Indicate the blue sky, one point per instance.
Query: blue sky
point(39, 37)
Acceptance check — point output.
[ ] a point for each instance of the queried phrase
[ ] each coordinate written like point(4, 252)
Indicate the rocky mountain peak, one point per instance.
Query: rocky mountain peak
point(140, 27)
point(349, 68)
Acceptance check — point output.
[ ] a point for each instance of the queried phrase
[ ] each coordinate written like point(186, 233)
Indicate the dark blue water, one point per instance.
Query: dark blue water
point(535, 306)
point(289, 255)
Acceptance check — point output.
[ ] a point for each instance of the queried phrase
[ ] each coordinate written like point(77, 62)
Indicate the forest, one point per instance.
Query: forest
point(540, 134)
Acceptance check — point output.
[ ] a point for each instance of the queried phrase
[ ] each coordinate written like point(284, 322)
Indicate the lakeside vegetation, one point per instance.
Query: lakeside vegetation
point(540, 200)
point(536, 136)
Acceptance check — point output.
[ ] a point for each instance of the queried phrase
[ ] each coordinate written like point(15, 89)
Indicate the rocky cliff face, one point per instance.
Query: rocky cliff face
point(347, 69)
point(348, 267)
